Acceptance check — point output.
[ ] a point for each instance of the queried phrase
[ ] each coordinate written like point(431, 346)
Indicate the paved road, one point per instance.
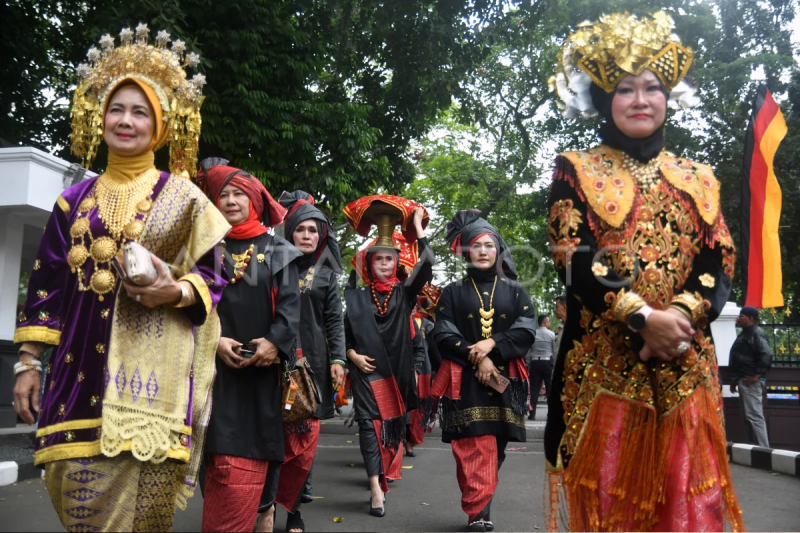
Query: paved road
point(770, 502)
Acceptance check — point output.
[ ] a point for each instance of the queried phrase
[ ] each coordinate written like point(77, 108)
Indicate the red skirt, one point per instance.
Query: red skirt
point(476, 469)
point(415, 433)
point(233, 492)
point(300, 451)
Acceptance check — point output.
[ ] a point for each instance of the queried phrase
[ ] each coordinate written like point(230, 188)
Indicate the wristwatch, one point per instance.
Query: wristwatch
point(637, 320)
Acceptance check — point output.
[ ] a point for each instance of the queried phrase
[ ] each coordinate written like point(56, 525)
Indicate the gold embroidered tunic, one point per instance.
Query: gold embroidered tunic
point(619, 243)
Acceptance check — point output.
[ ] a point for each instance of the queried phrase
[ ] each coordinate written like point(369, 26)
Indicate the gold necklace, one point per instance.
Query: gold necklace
point(241, 262)
point(486, 315)
point(646, 174)
point(123, 227)
point(306, 282)
point(117, 203)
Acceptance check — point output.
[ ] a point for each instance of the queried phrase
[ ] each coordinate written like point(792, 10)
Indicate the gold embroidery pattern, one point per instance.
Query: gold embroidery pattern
point(563, 227)
point(599, 269)
point(482, 414)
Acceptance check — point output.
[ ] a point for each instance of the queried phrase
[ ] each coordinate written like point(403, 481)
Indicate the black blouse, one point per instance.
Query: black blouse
point(481, 410)
point(322, 331)
point(246, 417)
point(395, 331)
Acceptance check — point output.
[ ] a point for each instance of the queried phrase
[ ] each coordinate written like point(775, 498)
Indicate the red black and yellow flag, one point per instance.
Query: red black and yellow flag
point(761, 205)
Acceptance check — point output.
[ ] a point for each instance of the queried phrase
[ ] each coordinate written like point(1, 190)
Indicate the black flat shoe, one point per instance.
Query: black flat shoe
point(295, 521)
point(411, 454)
point(306, 499)
point(477, 525)
point(389, 480)
point(488, 525)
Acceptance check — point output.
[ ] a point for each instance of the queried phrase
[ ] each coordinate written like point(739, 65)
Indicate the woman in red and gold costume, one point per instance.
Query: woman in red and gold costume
point(127, 393)
point(635, 435)
point(378, 338)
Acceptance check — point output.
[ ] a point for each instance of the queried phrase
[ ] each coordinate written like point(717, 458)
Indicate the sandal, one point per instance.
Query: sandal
point(295, 521)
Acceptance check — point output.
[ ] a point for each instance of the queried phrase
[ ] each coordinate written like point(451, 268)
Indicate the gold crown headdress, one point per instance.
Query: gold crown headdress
point(160, 68)
point(606, 51)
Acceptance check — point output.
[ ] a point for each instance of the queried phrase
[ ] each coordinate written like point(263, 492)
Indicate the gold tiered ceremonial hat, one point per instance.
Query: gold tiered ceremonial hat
point(159, 68)
point(605, 51)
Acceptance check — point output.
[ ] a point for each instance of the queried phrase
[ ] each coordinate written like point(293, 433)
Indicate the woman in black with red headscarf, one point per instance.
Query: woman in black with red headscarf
point(381, 357)
point(320, 340)
point(484, 322)
point(260, 315)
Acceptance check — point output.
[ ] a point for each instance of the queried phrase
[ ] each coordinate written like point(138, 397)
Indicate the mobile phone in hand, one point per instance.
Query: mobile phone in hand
point(248, 350)
point(498, 382)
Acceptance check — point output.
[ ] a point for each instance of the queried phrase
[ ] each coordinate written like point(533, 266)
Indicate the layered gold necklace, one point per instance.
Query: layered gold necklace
point(646, 174)
point(122, 207)
point(487, 316)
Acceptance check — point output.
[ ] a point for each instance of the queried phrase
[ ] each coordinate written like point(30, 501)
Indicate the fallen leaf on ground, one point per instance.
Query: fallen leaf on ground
point(517, 449)
point(350, 464)
point(349, 442)
point(424, 503)
point(318, 497)
point(357, 434)
point(337, 519)
point(409, 467)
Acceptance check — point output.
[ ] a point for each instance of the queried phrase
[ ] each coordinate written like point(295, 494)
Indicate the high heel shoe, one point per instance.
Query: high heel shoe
point(377, 511)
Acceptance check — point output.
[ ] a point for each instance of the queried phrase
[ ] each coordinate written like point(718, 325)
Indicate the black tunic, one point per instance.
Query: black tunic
point(481, 410)
point(322, 331)
point(246, 417)
point(395, 331)
point(434, 358)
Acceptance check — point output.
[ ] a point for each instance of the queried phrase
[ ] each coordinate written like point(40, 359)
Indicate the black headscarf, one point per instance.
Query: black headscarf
point(466, 226)
point(643, 150)
point(300, 207)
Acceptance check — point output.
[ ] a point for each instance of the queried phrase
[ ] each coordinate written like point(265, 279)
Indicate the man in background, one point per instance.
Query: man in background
point(750, 360)
point(540, 362)
point(561, 314)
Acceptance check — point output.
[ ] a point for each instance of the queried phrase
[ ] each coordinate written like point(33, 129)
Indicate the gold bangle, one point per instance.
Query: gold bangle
point(626, 304)
point(187, 295)
point(693, 303)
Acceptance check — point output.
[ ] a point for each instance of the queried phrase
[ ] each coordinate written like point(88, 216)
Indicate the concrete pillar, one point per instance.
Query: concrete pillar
point(11, 238)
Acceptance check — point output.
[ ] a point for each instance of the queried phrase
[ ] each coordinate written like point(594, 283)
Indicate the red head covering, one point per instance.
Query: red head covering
point(214, 175)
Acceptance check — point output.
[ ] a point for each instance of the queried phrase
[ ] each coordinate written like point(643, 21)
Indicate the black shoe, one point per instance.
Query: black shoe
point(389, 480)
point(411, 454)
point(376, 511)
point(531, 417)
point(295, 521)
point(488, 525)
point(306, 499)
point(477, 525)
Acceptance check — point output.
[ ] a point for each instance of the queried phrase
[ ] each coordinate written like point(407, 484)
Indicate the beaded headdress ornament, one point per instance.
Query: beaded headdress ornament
point(160, 68)
point(606, 51)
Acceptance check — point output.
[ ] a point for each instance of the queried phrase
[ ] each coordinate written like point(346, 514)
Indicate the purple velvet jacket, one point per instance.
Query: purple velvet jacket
point(79, 323)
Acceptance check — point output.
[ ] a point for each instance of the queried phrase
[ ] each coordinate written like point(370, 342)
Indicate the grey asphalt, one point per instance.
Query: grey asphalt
point(427, 498)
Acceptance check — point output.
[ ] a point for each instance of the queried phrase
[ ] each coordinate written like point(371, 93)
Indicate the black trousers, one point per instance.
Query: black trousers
point(539, 370)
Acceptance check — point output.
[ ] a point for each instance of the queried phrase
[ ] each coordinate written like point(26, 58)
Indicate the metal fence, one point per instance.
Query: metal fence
point(785, 342)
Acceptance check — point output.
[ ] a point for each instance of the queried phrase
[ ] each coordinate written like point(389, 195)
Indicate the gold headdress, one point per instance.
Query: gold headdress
point(615, 46)
point(157, 67)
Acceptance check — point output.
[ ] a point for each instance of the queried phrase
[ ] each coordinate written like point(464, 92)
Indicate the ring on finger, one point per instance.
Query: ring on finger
point(138, 298)
point(683, 346)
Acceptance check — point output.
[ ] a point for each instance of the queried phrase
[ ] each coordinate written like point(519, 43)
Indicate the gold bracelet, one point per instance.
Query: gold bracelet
point(693, 303)
point(626, 304)
point(187, 295)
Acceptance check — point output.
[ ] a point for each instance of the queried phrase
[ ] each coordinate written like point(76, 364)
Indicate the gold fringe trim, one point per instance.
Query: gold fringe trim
point(704, 428)
point(150, 434)
point(644, 460)
point(37, 334)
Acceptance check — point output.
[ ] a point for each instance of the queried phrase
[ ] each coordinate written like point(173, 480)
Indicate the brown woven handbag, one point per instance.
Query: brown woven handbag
point(307, 397)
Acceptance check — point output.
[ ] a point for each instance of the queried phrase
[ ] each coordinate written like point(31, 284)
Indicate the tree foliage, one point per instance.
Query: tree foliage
point(339, 96)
